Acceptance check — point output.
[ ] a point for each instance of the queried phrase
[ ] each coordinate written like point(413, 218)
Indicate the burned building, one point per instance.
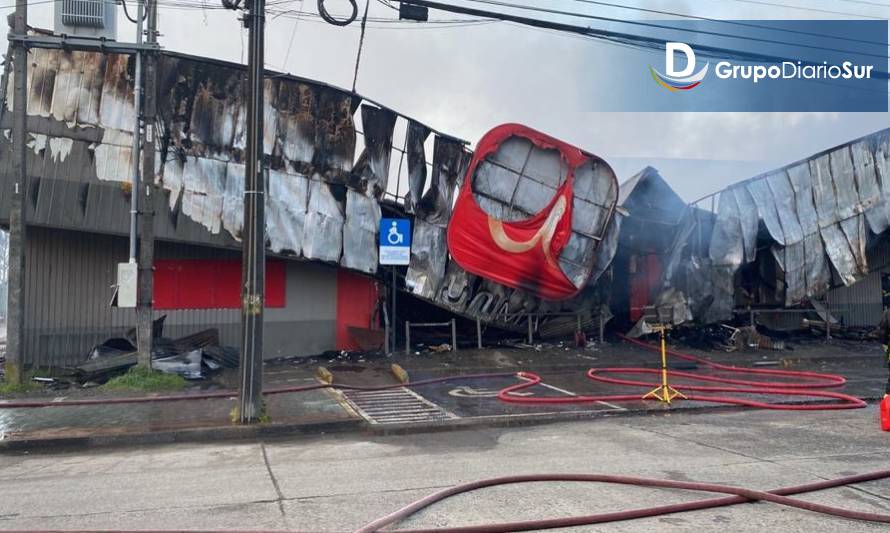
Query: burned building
point(810, 231)
point(336, 163)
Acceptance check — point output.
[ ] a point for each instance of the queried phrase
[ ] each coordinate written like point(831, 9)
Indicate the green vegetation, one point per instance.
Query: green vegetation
point(146, 380)
point(11, 387)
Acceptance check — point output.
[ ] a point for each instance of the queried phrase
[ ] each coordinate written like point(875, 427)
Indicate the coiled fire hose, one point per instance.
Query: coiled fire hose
point(806, 387)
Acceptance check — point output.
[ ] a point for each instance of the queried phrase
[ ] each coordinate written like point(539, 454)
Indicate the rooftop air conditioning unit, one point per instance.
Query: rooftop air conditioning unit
point(86, 18)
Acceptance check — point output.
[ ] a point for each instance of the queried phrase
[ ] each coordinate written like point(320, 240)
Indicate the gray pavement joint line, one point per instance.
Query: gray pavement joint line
point(705, 445)
point(772, 461)
point(278, 492)
point(220, 506)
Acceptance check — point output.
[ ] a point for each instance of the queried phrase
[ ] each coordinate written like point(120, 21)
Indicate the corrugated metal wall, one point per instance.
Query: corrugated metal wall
point(68, 291)
point(861, 304)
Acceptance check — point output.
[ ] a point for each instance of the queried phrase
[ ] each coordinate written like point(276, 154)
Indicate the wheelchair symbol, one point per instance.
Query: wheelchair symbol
point(393, 237)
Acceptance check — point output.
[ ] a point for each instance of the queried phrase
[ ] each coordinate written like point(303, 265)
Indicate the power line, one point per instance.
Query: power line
point(290, 45)
point(720, 21)
point(811, 9)
point(660, 26)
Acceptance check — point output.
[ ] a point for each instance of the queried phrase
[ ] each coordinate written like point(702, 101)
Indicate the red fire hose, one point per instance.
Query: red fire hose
point(807, 387)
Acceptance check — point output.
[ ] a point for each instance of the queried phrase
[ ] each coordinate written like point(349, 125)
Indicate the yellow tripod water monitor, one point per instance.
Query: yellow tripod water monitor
point(663, 392)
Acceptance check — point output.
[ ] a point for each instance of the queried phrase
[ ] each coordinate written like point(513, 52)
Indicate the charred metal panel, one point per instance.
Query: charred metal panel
point(360, 231)
point(334, 134)
point(449, 163)
point(727, 246)
point(286, 206)
point(870, 195)
point(836, 244)
point(848, 207)
point(429, 256)
point(882, 166)
point(792, 263)
point(818, 275)
point(748, 220)
point(371, 171)
point(766, 208)
point(417, 135)
point(323, 235)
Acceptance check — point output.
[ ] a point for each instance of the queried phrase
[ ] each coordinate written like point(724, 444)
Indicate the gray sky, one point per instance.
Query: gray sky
point(465, 80)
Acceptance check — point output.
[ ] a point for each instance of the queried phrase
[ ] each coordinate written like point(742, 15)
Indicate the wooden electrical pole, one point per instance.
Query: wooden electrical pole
point(253, 263)
point(18, 201)
point(145, 295)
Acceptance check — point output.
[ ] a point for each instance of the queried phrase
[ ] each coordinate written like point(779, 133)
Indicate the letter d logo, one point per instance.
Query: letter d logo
point(679, 80)
point(670, 50)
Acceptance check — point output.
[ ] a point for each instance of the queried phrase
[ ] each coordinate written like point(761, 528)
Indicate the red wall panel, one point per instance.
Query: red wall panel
point(211, 284)
point(356, 301)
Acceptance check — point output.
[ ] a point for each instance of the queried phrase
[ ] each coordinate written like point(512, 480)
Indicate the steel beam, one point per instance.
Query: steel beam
point(84, 44)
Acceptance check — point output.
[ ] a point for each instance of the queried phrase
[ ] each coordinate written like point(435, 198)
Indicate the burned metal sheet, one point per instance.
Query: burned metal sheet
point(849, 211)
point(836, 244)
point(334, 134)
point(233, 203)
point(429, 256)
point(417, 171)
point(882, 166)
point(360, 232)
point(748, 221)
point(323, 234)
point(371, 170)
point(286, 205)
point(792, 254)
point(449, 163)
point(766, 208)
point(727, 246)
point(870, 195)
point(818, 274)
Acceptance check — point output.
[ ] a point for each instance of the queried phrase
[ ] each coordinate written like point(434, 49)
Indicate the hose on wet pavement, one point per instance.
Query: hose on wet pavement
point(735, 495)
point(808, 385)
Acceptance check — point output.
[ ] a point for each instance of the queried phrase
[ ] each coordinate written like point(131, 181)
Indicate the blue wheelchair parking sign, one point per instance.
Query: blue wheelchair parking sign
point(395, 241)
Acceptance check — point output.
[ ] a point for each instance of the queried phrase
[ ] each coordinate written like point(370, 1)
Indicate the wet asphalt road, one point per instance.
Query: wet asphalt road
point(334, 483)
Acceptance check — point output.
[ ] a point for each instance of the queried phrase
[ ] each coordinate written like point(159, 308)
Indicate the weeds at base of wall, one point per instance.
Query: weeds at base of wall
point(264, 418)
point(27, 385)
point(146, 380)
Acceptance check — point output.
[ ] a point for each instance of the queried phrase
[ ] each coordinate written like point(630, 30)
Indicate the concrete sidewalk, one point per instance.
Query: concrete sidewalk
point(443, 406)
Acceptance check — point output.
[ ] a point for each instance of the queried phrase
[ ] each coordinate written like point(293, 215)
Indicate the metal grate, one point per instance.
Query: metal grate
point(90, 13)
point(395, 406)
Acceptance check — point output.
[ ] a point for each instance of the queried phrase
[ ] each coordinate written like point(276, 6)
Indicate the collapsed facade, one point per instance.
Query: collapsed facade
point(523, 230)
point(790, 236)
point(334, 169)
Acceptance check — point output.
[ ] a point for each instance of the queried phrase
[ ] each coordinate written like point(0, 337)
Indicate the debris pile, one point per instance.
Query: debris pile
point(189, 356)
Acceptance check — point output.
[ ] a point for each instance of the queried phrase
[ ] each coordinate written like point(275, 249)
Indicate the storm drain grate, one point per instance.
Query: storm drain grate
point(395, 406)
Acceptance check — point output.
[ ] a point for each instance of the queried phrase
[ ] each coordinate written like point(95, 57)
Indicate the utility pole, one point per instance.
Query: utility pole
point(145, 272)
point(18, 204)
point(253, 255)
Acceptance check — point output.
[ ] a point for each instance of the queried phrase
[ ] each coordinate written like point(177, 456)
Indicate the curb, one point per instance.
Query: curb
point(355, 426)
point(192, 435)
